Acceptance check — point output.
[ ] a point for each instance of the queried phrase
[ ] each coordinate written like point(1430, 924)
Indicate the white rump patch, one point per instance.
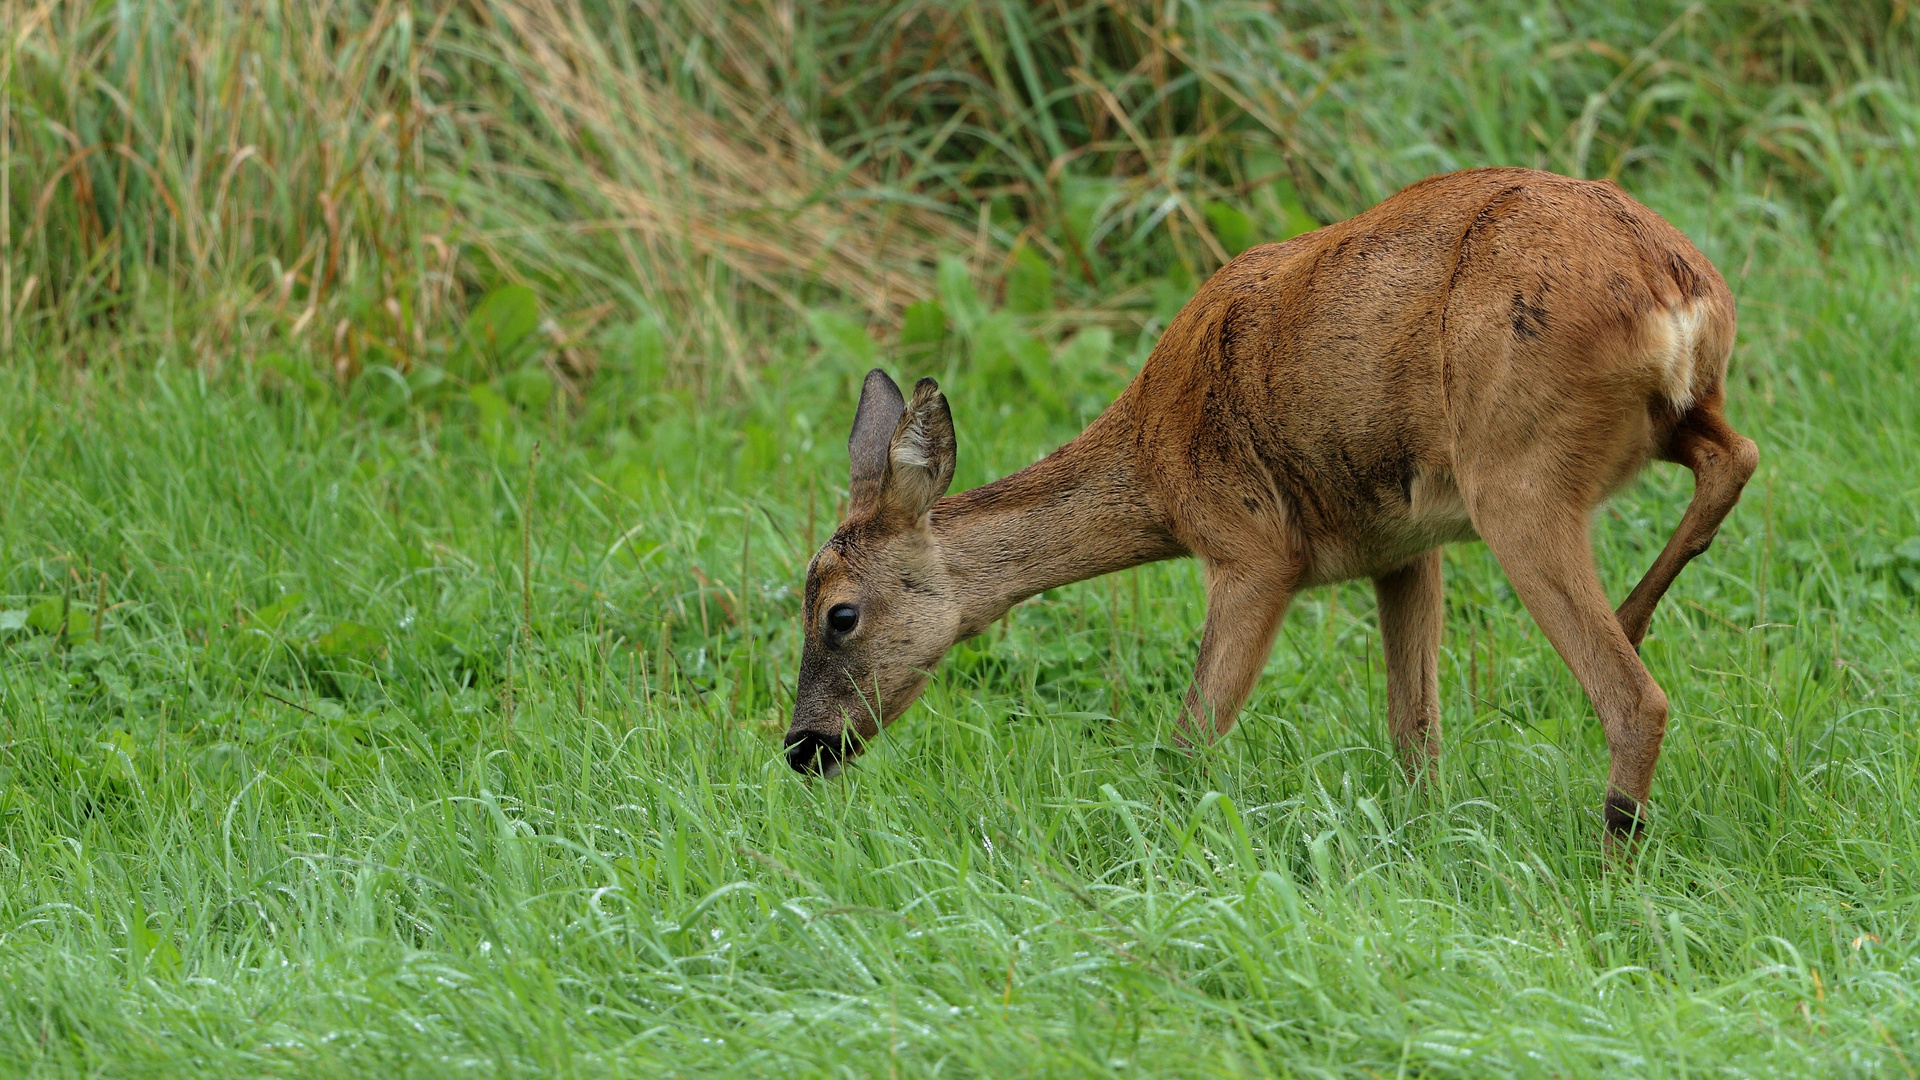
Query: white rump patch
point(1676, 340)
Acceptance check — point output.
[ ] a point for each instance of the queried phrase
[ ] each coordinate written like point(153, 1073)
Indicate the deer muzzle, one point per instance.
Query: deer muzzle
point(818, 753)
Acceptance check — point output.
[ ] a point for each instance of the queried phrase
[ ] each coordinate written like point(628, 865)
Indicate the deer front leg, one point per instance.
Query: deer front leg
point(1244, 607)
point(1412, 620)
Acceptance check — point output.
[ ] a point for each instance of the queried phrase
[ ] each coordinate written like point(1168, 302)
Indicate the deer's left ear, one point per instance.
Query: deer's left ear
point(873, 427)
point(921, 457)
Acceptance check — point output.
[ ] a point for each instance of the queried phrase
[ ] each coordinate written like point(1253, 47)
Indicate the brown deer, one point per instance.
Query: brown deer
point(1489, 354)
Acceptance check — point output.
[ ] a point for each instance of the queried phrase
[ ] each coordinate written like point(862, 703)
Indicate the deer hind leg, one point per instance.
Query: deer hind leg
point(1411, 622)
point(1721, 460)
point(1547, 555)
point(1244, 608)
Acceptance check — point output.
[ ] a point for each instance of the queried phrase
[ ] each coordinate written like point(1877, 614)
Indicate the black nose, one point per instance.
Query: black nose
point(812, 752)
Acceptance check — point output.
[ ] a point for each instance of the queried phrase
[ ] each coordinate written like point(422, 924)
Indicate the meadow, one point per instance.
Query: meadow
point(415, 422)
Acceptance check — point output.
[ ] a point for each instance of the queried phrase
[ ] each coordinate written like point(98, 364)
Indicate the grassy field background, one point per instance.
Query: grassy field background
point(415, 420)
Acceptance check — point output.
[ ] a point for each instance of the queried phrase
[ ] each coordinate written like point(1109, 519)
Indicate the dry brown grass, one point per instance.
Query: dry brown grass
point(201, 180)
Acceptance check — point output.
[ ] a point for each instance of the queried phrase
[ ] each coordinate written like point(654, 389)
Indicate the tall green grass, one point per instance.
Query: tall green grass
point(417, 419)
point(327, 751)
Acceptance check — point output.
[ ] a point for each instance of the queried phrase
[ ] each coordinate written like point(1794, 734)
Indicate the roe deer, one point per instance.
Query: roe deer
point(1486, 354)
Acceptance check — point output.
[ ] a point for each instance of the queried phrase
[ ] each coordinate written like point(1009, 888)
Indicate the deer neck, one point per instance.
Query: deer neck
point(1082, 511)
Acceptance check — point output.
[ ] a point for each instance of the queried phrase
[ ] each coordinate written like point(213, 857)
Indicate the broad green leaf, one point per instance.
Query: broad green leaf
point(529, 387)
point(1084, 351)
point(1283, 205)
point(149, 949)
point(350, 641)
point(1084, 201)
point(504, 317)
point(1029, 283)
point(271, 616)
point(1169, 297)
point(45, 617)
point(1035, 362)
point(958, 296)
point(1264, 163)
point(424, 379)
point(992, 347)
point(381, 389)
point(642, 347)
point(493, 408)
point(497, 326)
point(222, 763)
point(842, 336)
point(260, 629)
point(760, 448)
point(1231, 226)
point(119, 749)
point(642, 870)
point(924, 324)
point(1001, 351)
point(299, 374)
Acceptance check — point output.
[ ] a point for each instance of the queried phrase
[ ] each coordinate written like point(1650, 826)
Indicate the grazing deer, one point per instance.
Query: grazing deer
point(1489, 354)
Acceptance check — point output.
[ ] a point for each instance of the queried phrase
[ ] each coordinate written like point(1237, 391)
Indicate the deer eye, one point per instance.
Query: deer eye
point(842, 618)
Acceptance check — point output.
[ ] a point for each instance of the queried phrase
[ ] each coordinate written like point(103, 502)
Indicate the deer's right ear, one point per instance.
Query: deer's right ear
point(879, 414)
point(922, 455)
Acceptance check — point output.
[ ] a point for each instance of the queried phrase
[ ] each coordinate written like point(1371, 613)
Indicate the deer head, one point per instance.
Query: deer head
point(881, 607)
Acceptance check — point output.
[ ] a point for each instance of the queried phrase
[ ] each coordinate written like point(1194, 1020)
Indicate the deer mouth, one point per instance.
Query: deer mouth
point(813, 753)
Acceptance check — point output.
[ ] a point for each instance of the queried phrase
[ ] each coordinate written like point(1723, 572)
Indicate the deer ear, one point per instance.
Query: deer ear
point(873, 427)
point(921, 457)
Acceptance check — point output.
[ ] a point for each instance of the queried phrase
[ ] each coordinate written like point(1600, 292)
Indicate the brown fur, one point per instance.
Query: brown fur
point(1489, 353)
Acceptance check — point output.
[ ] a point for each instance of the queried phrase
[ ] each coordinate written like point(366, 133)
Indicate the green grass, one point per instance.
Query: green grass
point(414, 422)
point(395, 826)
